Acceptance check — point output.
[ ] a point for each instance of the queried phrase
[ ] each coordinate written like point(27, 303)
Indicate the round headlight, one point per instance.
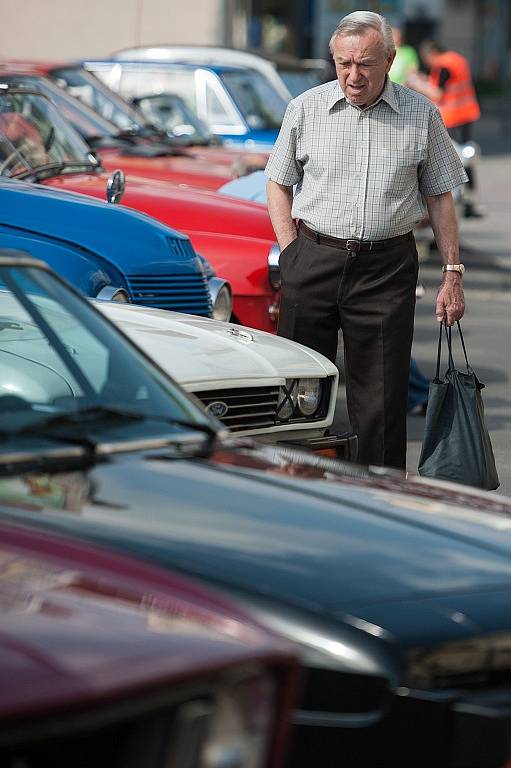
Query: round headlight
point(309, 396)
point(113, 293)
point(287, 400)
point(221, 298)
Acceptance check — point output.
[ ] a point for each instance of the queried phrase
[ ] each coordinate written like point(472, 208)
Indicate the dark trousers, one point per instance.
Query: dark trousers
point(371, 297)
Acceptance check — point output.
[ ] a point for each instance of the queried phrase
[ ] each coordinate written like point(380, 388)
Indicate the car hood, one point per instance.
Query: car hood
point(186, 209)
point(200, 352)
point(180, 169)
point(264, 522)
point(79, 625)
point(92, 225)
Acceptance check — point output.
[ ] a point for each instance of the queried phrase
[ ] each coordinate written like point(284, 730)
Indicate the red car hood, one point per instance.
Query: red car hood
point(78, 624)
point(179, 169)
point(241, 162)
point(188, 210)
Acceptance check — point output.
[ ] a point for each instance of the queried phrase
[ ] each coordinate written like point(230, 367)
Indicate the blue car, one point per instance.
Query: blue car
point(237, 104)
point(107, 251)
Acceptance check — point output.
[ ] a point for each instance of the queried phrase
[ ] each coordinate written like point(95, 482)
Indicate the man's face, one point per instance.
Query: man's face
point(361, 66)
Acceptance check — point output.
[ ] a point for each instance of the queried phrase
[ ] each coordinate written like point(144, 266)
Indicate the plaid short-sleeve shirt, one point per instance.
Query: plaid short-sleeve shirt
point(361, 173)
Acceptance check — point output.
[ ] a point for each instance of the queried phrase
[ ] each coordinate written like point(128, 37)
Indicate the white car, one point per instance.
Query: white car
point(255, 383)
point(252, 382)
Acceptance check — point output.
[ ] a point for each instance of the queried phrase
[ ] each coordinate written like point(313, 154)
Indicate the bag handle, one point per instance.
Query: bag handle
point(448, 335)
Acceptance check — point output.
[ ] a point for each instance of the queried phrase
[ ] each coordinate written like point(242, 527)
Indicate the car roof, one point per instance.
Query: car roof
point(185, 65)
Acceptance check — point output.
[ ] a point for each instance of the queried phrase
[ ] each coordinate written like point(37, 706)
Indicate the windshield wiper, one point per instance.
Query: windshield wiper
point(107, 415)
point(53, 169)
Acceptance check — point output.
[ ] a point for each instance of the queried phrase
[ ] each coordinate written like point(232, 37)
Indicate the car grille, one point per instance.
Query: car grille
point(181, 293)
point(248, 408)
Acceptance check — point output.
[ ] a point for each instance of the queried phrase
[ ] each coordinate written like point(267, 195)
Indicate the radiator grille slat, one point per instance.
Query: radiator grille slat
point(248, 407)
point(181, 293)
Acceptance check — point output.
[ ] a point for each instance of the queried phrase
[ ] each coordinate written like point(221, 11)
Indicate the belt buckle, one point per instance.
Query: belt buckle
point(353, 245)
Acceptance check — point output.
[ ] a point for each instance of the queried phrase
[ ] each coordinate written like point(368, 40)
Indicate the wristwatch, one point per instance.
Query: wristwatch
point(460, 268)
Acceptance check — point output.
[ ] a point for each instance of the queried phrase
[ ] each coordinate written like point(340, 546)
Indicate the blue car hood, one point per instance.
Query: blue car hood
point(131, 241)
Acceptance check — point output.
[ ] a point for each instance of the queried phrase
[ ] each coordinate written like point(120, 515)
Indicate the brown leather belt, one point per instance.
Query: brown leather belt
point(352, 245)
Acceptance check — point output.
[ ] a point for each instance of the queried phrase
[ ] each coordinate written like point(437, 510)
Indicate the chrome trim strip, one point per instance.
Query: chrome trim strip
point(336, 719)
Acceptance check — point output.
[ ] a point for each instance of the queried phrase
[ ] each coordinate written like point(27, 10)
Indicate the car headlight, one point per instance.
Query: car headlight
point(240, 725)
point(309, 396)
point(114, 293)
point(231, 729)
point(288, 396)
point(299, 397)
point(273, 266)
point(221, 298)
point(205, 267)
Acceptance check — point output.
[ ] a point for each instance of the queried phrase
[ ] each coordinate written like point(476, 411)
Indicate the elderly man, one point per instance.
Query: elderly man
point(365, 154)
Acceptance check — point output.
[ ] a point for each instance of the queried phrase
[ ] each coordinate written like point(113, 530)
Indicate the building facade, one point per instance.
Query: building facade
point(66, 29)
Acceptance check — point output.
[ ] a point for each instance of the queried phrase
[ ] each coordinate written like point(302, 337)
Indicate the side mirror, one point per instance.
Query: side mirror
point(115, 187)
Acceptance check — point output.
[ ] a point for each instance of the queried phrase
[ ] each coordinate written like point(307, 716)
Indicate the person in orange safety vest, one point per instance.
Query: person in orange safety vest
point(450, 86)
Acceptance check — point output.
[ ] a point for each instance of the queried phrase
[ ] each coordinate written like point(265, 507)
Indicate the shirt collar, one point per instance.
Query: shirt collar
point(336, 94)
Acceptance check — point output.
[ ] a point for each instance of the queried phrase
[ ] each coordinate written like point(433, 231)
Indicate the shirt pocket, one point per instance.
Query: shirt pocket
point(397, 170)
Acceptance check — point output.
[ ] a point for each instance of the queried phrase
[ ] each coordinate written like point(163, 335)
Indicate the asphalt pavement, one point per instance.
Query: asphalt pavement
point(486, 253)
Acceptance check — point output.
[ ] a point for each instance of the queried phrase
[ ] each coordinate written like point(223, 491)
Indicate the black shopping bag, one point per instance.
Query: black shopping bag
point(456, 444)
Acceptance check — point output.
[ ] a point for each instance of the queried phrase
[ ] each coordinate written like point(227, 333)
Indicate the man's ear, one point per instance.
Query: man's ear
point(390, 60)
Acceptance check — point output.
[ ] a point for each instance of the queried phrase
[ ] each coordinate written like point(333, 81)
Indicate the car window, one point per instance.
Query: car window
point(86, 120)
point(143, 82)
point(261, 105)
point(86, 87)
point(216, 112)
point(216, 106)
point(58, 355)
point(33, 134)
point(170, 112)
point(299, 81)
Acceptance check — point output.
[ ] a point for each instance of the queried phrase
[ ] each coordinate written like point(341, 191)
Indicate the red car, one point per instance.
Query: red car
point(107, 662)
point(235, 236)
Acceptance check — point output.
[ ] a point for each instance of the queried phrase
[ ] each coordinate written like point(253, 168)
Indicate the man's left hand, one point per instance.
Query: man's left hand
point(450, 300)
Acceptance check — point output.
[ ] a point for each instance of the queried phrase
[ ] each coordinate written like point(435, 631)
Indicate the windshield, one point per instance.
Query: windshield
point(86, 87)
point(83, 118)
point(33, 135)
point(298, 81)
point(170, 113)
point(262, 106)
point(58, 356)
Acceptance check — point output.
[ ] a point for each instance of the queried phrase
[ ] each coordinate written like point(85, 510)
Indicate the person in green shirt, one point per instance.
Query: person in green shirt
point(406, 62)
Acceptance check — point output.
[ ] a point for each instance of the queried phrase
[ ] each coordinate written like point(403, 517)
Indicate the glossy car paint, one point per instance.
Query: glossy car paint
point(234, 236)
point(95, 245)
point(376, 577)
point(220, 228)
point(86, 634)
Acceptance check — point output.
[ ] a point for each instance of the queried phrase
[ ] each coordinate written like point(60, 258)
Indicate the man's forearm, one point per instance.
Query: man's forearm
point(280, 202)
point(450, 304)
point(442, 217)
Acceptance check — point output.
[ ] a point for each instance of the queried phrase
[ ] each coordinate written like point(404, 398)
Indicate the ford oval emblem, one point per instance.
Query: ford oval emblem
point(218, 409)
